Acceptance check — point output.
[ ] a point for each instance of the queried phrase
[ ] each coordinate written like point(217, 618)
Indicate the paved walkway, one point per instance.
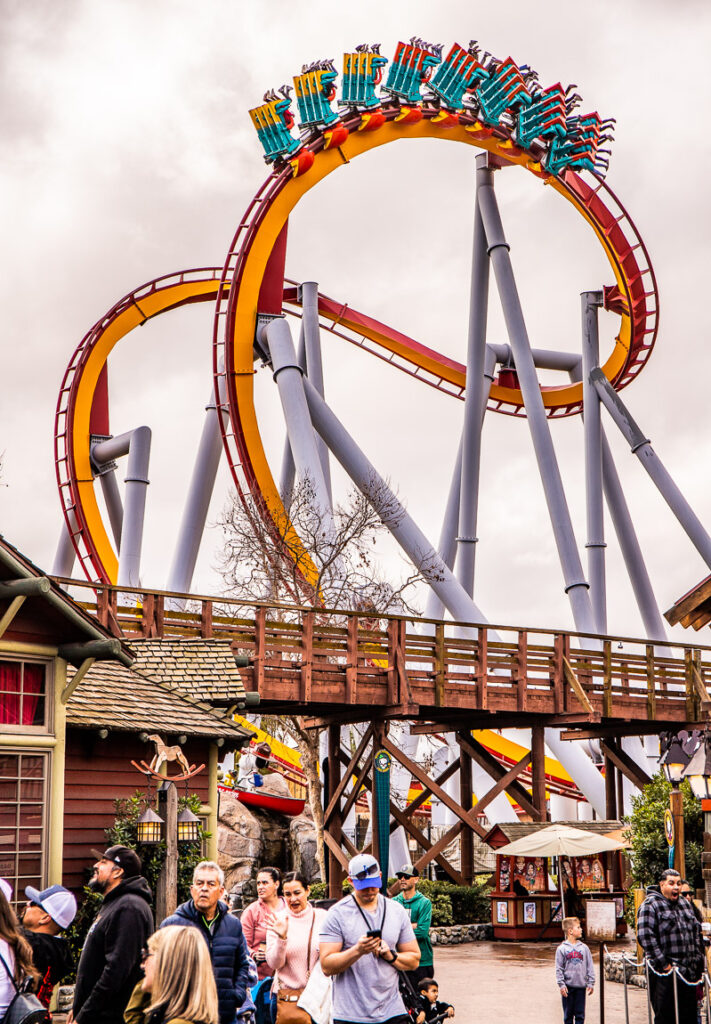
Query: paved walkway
point(511, 982)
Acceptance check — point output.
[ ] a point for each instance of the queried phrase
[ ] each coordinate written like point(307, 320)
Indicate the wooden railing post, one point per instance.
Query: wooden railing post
point(439, 665)
point(352, 659)
point(651, 687)
point(392, 661)
point(260, 622)
point(690, 688)
point(607, 679)
point(206, 630)
point(522, 671)
point(307, 656)
point(482, 668)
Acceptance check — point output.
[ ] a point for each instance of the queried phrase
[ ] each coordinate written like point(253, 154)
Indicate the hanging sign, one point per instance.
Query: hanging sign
point(382, 762)
point(669, 827)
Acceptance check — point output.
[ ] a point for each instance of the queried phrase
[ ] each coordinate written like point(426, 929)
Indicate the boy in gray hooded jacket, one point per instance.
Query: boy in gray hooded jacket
point(574, 972)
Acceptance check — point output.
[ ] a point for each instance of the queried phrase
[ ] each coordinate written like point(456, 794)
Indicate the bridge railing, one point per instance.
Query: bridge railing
point(322, 655)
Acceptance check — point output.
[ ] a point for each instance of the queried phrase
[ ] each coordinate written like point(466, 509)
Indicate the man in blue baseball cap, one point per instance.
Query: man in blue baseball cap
point(365, 940)
point(47, 914)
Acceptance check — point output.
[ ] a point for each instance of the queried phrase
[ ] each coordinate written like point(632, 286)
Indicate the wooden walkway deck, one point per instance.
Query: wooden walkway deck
point(336, 666)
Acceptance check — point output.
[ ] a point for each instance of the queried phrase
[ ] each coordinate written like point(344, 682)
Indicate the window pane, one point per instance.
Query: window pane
point(22, 820)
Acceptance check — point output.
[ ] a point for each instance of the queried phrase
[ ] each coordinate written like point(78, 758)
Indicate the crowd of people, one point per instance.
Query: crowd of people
point(366, 960)
point(359, 962)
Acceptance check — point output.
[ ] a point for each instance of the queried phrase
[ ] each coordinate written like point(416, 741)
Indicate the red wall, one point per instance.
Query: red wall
point(97, 773)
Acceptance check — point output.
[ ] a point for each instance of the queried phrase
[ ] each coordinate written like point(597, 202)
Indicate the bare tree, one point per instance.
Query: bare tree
point(321, 558)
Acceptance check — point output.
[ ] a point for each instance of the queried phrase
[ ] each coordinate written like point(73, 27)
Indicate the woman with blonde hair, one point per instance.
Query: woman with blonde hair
point(178, 975)
point(15, 951)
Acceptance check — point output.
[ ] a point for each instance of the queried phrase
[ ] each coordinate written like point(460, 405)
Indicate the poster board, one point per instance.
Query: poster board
point(601, 921)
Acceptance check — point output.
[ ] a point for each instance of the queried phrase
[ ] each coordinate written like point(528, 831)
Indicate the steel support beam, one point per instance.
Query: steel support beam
point(592, 426)
point(197, 504)
point(137, 445)
point(576, 586)
point(314, 363)
point(394, 517)
point(642, 448)
point(627, 538)
point(290, 381)
point(474, 405)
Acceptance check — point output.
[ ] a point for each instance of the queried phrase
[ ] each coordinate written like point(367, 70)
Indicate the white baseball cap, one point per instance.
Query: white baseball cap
point(56, 901)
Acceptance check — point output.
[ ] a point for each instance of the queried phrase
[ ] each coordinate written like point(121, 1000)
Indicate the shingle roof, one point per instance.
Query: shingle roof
point(160, 694)
point(203, 669)
point(518, 829)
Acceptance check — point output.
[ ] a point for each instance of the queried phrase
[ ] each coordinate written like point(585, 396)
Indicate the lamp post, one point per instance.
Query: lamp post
point(674, 763)
point(698, 773)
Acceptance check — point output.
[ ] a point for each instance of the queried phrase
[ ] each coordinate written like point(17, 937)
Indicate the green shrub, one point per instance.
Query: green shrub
point(470, 904)
point(441, 910)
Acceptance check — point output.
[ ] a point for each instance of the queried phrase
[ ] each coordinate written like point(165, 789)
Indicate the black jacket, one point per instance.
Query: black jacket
point(52, 958)
point(110, 962)
point(231, 962)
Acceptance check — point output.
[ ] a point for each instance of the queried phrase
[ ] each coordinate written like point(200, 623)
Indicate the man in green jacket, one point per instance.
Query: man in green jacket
point(420, 910)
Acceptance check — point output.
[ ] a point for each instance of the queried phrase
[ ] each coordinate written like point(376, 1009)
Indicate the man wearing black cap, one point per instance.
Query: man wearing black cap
point(110, 963)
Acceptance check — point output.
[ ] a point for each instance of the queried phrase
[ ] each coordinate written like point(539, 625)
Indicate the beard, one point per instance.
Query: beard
point(96, 885)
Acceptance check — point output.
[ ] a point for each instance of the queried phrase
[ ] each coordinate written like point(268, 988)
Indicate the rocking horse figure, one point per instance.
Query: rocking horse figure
point(164, 754)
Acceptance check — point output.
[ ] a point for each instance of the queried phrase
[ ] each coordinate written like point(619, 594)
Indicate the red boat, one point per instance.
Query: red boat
point(289, 805)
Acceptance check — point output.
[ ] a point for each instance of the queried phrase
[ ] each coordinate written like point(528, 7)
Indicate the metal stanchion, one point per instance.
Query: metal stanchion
point(649, 992)
point(676, 998)
point(708, 998)
point(624, 983)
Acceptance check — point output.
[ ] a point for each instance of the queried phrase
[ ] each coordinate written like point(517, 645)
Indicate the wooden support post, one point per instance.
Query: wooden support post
point(482, 669)
point(610, 799)
point(538, 772)
point(651, 690)
point(352, 659)
point(520, 671)
point(167, 888)
point(206, 630)
point(335, 824)
point(466, 841)
point(260, 621)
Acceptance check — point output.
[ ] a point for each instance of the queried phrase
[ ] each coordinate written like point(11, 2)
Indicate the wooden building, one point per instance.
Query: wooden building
point(76, 706)
point(109, 718)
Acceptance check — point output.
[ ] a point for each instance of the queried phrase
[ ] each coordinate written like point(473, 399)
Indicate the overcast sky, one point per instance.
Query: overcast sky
point(128, 153)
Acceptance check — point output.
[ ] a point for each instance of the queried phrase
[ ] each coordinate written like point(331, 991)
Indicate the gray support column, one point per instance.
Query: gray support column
point(592, 426)
point(642, 448)
point(314, 363)
point(65, 554)
point(627, 539)
point(197, 504)
point(114, 505)
point(290, 381)
point(576, 586)
point(137, 443)
point(286, 479)
point(474, 405)
point(396, 518)
point(434, 609)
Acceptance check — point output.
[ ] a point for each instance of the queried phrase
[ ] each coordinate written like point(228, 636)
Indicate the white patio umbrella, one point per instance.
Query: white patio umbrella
point(560, 840)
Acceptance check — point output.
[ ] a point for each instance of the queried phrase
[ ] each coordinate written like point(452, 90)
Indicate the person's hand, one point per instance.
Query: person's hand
point(367, 945)
point(450, 1011)
point(70, 1017)
point(419, 1019)
point(385, 951)
point(278, 925)
point(590, 991)
point(564, 990)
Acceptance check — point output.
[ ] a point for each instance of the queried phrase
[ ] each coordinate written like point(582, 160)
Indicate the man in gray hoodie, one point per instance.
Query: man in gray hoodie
point(574, 972)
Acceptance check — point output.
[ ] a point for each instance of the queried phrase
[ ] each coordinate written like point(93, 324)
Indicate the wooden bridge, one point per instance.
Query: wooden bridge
point(337, 667)
point(334, 666)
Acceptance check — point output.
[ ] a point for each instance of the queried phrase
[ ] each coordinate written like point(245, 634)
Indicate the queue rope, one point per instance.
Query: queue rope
point(641, 965)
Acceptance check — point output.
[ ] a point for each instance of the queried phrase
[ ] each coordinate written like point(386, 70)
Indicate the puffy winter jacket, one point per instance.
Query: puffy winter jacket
point(232, 965)
point(110, 963)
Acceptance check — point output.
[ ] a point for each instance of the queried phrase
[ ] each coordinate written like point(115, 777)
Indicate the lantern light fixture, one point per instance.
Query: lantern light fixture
point(188, 827)
point(149, 827)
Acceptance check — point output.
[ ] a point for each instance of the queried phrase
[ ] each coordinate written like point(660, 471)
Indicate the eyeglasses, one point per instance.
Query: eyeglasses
point(373, 870)
point(145, 953)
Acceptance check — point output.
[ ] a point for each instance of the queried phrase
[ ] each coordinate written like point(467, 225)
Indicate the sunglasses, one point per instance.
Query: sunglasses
point(372, 871)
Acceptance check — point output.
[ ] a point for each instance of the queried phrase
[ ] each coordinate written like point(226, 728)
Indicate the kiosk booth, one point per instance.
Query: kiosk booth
point(526, 898)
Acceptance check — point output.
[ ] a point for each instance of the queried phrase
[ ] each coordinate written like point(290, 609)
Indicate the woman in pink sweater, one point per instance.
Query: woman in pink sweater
point(293, 937)
point(254, 918)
